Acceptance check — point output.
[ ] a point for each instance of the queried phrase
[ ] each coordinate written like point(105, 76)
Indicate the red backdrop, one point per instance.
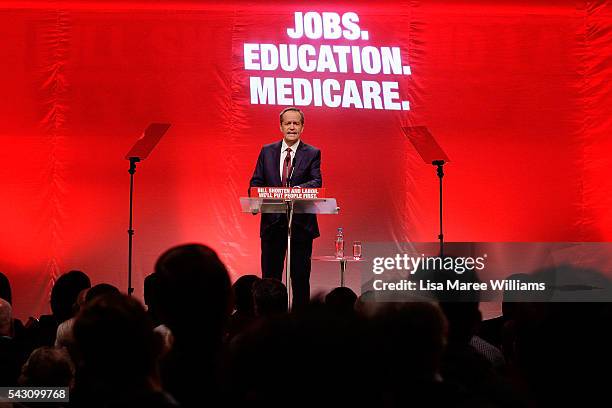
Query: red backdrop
point(516, 92)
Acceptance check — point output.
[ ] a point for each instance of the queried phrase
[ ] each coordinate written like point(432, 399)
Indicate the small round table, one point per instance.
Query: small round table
point(342, 261)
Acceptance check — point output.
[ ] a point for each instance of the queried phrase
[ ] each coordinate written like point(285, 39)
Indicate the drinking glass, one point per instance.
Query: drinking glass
point(357, 249)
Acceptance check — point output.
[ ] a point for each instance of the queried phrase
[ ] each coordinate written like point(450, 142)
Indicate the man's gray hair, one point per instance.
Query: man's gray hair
point(294, 109)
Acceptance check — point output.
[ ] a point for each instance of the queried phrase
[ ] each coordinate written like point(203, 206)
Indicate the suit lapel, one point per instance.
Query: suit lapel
point(299, 155)
point(276, 153)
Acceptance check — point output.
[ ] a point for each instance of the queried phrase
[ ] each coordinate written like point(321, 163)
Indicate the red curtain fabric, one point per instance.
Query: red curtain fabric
point(517, 93)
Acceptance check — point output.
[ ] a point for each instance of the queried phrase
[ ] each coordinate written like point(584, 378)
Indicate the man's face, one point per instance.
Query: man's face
point(292, 127)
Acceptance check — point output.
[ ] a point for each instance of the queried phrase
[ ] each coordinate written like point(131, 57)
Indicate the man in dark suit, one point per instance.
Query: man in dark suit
point(289, 162)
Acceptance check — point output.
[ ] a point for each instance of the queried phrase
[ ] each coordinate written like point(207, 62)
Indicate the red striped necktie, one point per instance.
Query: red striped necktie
point(287, 168)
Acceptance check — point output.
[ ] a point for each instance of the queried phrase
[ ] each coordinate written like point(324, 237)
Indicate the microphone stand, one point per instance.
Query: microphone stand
point(289, 204)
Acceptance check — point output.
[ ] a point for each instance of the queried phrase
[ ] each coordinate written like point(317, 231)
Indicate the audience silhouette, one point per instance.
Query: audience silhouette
point(188, 348)
point(195, 300)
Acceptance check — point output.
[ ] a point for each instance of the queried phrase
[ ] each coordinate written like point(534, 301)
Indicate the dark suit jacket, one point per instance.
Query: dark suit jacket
point(306, 173)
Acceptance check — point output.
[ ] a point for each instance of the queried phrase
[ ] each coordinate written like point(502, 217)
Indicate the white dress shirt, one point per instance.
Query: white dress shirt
point(284, 155)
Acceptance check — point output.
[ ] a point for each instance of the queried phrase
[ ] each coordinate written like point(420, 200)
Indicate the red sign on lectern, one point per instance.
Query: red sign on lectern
point(285, 193)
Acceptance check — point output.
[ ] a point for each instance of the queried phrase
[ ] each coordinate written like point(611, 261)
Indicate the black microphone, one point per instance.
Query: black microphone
point(290, 175)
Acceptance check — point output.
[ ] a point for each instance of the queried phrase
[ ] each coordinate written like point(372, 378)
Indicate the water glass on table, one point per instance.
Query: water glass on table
point(357, 250)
